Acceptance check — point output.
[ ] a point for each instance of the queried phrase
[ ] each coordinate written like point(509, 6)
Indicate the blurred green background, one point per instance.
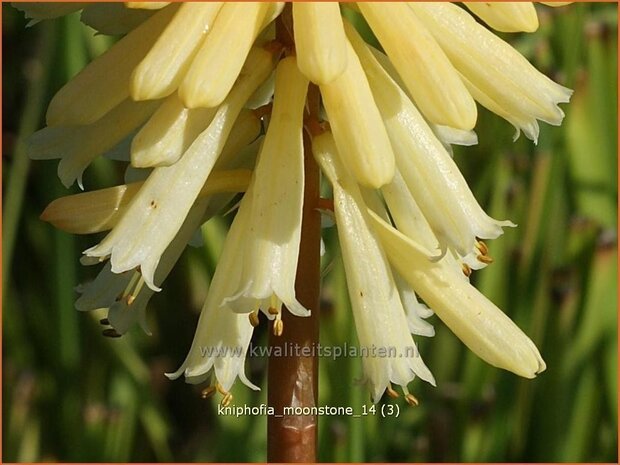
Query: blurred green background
point(70, 394)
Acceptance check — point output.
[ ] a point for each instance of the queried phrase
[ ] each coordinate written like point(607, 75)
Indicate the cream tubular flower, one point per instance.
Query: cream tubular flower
point(320, 42)
point(498, 76)
point(104, 83)
point(124, 295)
point(416, 311)
point(377, 309)
point(357, 125)
point(220, 344)
point(483, 327)
point(406, 213)
point(506, 16)
point(446, 134)
point(429, 76)
point(409, 219)
point(215, 68)
point(157, 212)
point(100, 210)
point(452, 136)
point(78, 146)
point(162, 70)
point(222, 336)
point(430, 173)
point(168, 133)
point(271, 245)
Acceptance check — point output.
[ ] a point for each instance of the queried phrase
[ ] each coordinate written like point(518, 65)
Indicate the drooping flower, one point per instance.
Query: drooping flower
point(457, 218)
point(183, 94)
point(378, 311)
point(123, 294)
point(483, 327)
point(497, 76)
point(222, 336)
point(428, 74)
point(155, 215)
point(268, 259)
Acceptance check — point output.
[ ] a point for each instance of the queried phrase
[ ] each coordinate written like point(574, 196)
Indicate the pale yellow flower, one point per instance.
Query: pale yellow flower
point(267, 261)
point(184, 97)
point(380, 318)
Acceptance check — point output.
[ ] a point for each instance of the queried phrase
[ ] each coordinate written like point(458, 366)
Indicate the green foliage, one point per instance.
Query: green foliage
point(71, 395)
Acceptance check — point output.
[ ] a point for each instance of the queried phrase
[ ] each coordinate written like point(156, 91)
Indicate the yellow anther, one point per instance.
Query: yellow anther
point(411, 400)
point(392, 393)
point(273, 311)
point(485, 259)
point(278, 327)
point(226, 400)
point(130, 299)
point(466, 269)
point(208, 392)
point(482, 247)
point(254, 321)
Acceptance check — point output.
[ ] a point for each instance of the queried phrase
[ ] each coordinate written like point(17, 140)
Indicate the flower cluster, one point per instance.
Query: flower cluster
point(183, 96)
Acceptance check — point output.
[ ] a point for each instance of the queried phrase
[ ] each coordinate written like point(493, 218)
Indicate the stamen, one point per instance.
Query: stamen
point(254, 321)
point(133, 288)
point(391, 392)
point(466, 269)
point(278, 326)
point(132, 283)
point(208, 392)
point(275, 305)
point(111, 332)
point(482, 247)
point(485, 259)
point(226, 400)
point(132, 297)
point(410, 398)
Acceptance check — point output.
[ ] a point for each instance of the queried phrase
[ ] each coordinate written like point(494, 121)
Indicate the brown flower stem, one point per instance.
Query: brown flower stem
point(293, 379)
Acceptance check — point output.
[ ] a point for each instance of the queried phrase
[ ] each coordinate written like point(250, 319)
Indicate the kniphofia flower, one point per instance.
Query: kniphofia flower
point(182, 97)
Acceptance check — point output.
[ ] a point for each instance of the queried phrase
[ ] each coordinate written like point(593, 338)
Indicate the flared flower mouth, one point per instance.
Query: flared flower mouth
point(205, 100)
